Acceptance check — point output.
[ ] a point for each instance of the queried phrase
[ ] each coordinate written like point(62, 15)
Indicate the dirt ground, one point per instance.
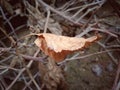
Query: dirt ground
point(81, 76)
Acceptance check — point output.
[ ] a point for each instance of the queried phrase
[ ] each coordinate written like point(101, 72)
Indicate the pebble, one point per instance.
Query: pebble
point(97, 69)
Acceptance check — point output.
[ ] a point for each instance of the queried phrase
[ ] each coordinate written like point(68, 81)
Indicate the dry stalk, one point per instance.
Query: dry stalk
point(47, 20)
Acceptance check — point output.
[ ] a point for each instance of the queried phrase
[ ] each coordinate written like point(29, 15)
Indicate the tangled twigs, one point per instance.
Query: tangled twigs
point(89, 55)
point(21, 71)
point(57, 12)
point(27, 57)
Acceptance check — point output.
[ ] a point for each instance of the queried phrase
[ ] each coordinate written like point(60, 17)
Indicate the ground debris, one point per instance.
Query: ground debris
point(52, 76)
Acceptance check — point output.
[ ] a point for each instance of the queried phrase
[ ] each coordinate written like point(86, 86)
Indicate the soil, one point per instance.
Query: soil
point(81, 76)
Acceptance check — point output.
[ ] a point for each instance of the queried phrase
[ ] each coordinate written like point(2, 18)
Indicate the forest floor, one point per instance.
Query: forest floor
point(96, 67)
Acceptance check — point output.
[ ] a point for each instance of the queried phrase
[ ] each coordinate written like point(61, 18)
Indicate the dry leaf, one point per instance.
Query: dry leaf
point(58, 47)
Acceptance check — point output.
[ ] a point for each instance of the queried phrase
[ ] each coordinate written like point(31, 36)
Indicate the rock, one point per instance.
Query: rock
point(97, 70)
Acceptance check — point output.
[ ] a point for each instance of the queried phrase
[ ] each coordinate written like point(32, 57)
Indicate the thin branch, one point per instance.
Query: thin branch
point(47, 20)
point(41, 59)
point(118, 86)
point(89, 55)
point(104, 31)
point(30, 82)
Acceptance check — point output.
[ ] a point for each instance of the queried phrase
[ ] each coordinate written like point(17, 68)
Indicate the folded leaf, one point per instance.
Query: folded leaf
point(58, 47)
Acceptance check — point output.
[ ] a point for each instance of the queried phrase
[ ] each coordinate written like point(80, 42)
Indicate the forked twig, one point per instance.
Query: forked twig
point(47, 20)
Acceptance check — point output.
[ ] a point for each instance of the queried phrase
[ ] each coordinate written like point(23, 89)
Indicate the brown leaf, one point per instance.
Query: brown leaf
point(58, 47)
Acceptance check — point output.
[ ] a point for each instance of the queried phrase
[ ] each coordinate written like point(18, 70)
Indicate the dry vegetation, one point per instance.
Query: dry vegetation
point(25, 67)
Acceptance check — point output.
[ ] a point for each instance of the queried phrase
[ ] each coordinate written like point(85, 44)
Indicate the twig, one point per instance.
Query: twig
point(10, 18)
point(66, 5)
point(88, 29)
point(2, 81)
point(28, 71)
point(18, 28)
point(33, 80)
point(30, 82)
point(41, 59)
point(83, 7)
point(4, 71)
point(5, 33)
point(4, 49)
point(8, 67)
point(115, 6)
point(118, 86)
point(117, 77)
point(2, 44)
point(26, 83)
point(104, 31)
point(113, 46)
point(85, 56)
point(89, 10)
point(109, 53)
point(47, 20)
point(87, 22)
point(5, 59)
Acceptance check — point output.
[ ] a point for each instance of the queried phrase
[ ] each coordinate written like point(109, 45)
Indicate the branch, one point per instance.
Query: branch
point(41, 59)
point(85, 56)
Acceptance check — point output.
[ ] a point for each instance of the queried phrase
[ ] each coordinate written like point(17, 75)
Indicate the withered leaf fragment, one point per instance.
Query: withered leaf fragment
point(58, 47)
